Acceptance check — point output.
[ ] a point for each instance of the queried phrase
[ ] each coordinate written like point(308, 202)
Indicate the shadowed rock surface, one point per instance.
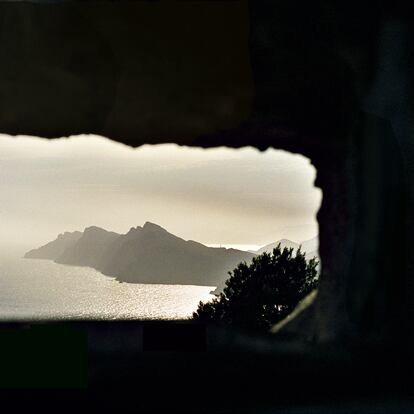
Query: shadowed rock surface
point(55, 248)
point(149, 254)
point(90, 249)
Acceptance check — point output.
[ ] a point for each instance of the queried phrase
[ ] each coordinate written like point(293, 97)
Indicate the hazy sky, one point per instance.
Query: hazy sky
point(214, 196)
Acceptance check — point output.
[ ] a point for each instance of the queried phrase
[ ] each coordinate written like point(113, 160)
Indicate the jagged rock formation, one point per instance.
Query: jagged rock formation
point(149, 254)
point(152, 255)
point(91, 248)
point(55, 248)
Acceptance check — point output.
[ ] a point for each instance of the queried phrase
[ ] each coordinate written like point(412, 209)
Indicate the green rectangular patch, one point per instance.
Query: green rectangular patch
point(43, 356)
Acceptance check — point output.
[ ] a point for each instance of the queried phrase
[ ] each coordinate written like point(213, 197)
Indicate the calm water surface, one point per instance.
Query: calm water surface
point(42, 289)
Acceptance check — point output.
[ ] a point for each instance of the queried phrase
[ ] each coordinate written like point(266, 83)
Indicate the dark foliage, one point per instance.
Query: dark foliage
point(264, 292)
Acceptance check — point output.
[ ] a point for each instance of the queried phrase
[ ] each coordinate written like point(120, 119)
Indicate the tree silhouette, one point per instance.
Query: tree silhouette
point(260, 294)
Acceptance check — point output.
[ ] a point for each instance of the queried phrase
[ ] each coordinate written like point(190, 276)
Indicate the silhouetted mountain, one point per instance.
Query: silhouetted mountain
point(310, 247)
point(283, 243)
point(150, 254)
point(55, 248)
point(91, 249)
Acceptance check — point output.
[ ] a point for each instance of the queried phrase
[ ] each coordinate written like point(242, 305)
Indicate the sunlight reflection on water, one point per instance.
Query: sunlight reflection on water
point(41, 289)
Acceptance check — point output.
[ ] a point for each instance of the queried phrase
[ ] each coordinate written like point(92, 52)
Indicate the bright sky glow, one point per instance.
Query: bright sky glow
point(215, 196)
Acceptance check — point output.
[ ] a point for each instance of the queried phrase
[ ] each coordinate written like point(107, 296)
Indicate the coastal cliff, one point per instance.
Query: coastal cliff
point(147, 254)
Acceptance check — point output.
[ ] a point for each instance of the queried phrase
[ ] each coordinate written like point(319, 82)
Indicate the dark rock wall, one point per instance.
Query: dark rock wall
point(330, 81)
point(132, 71)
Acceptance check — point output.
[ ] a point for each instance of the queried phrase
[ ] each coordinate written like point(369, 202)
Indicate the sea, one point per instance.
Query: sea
point(35, 289)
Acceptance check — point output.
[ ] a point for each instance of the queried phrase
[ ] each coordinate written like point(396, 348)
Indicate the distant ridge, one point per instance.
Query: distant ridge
point(55, 248)
point(310, 247)
point(148, 254)
point(90, 249)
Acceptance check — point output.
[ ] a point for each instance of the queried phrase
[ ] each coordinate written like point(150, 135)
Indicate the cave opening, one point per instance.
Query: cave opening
point(119, 226)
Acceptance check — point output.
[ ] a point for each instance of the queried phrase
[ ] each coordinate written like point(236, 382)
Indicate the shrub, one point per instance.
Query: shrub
point(260, 294)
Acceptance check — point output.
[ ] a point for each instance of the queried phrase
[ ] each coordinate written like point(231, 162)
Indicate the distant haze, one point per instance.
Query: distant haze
point(215, 196)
